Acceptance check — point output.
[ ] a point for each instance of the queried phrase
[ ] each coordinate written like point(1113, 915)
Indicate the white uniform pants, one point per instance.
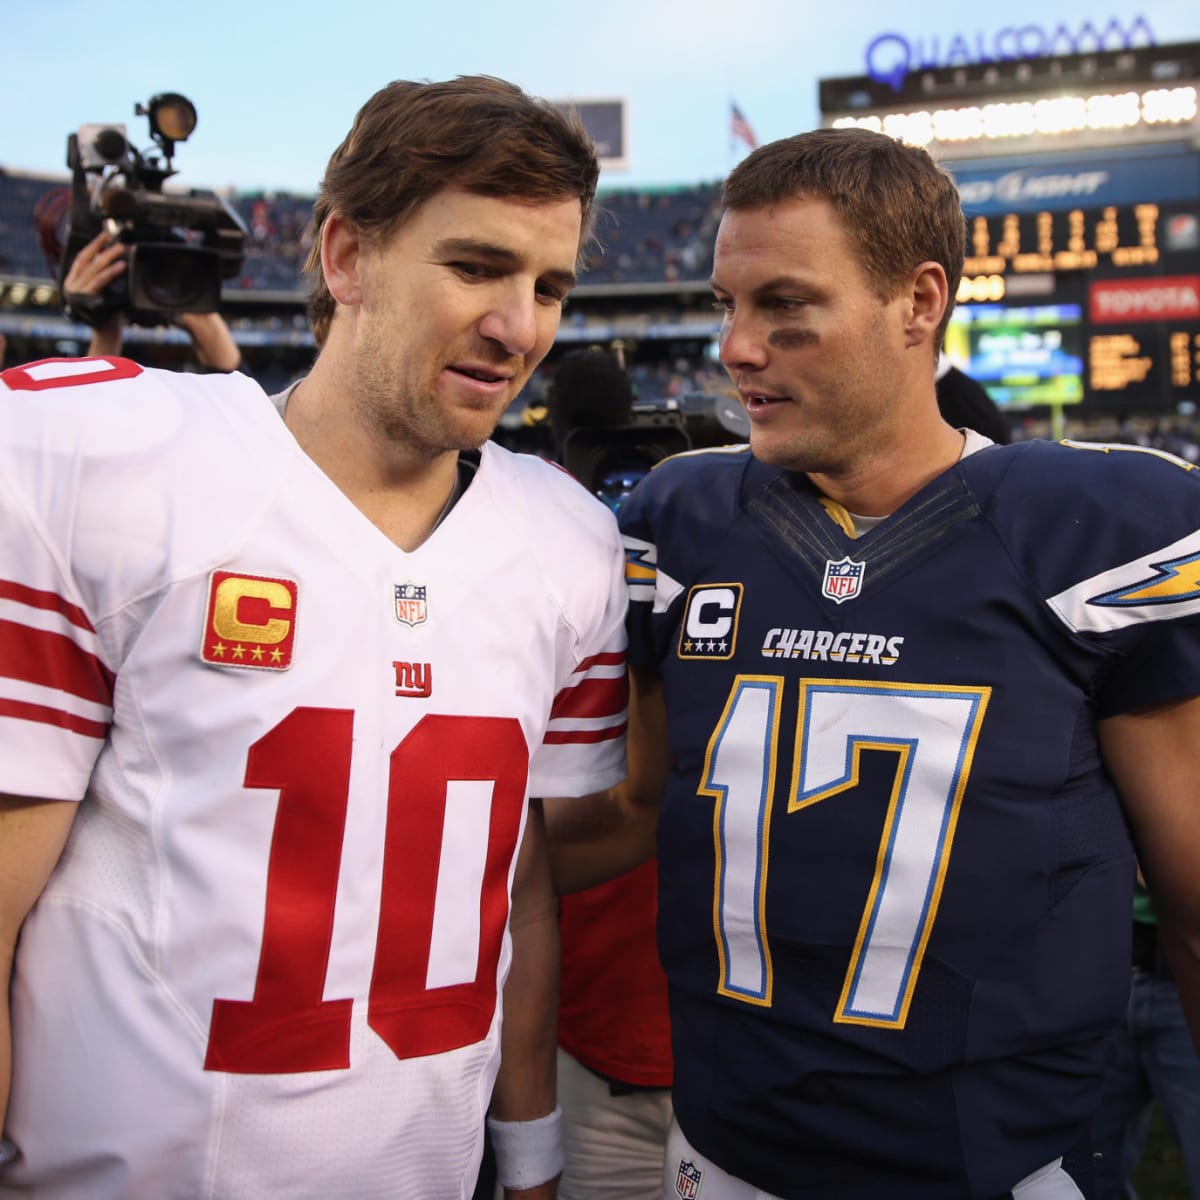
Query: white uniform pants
point(614, 1144)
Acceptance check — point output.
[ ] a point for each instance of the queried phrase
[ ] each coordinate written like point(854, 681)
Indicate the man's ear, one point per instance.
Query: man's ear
point(929, 294)
point(341, 258)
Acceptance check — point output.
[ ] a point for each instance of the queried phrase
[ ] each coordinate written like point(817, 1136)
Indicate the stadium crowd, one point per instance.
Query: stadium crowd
point(646, 235)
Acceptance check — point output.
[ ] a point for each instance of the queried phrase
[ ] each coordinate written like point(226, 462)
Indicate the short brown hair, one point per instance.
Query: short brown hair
point(900, 208)
point(413, 140)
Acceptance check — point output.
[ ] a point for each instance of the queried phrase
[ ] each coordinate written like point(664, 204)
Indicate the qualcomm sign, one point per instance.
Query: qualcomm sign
point(891, 56)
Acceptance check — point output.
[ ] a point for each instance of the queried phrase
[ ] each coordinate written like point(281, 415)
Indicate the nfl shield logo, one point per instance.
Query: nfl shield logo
point(411, 606)
point(843, 579)
point(687, 1181)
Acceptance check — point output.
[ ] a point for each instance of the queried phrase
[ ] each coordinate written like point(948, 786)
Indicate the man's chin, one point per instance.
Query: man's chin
point(473, 429)
point(775, 452)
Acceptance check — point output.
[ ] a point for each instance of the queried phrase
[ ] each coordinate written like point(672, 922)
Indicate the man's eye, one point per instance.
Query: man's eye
point(722, 305)
point(470, 270)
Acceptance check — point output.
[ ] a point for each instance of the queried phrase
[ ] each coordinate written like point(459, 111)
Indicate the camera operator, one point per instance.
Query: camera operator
point(101, 261)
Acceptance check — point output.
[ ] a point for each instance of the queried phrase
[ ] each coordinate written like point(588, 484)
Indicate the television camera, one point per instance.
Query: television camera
point(610, 461)
point(181, 246)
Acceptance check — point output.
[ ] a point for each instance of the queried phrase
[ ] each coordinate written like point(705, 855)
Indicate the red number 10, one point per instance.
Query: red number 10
point(288, 1026)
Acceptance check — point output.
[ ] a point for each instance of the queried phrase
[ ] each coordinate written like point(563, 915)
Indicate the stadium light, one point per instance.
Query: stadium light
point(1049, 116)
point(172, 119)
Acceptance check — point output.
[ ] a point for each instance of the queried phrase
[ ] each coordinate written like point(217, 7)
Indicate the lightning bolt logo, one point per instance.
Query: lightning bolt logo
point(1176, 579)
point(639, 567)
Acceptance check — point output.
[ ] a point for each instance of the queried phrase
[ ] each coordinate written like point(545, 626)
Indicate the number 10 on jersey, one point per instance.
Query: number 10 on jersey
point(456, 797)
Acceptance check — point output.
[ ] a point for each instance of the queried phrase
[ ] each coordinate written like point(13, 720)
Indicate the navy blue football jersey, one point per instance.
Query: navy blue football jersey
point(895, 878)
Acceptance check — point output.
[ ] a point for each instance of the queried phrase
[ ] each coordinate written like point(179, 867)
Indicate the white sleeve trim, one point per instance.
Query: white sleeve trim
point(1159, 586)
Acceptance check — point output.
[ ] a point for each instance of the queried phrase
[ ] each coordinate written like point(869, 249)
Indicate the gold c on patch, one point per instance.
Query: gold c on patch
point(250, 621)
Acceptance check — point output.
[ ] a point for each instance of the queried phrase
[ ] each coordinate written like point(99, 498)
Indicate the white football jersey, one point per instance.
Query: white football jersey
point(270, 960)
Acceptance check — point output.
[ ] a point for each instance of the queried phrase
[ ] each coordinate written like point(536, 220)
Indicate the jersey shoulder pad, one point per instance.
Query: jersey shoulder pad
point(1075, 513)
point(137, 477)
point(112, 407)
point(703, 483)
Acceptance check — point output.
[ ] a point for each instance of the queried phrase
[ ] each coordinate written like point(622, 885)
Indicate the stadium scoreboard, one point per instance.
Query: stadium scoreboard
point(1076, 240)
point(1081, 281)
point(1109, 295)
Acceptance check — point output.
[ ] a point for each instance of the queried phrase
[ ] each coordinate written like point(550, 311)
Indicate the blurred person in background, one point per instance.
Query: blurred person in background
point(1149, 1059)
point(965, 403)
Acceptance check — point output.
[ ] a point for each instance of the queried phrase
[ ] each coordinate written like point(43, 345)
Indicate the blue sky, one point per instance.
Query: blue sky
point(276, 86)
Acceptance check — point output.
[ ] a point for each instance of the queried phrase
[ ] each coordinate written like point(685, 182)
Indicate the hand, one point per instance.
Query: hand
point(215, 347)
point(95, 266)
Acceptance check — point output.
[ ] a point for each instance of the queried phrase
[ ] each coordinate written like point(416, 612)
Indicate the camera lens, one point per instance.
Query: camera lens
point(616, 477)
point(166, 278)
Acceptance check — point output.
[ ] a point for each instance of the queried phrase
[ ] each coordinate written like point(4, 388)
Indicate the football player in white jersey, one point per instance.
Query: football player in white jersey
point(911, 692)
point(274, 694)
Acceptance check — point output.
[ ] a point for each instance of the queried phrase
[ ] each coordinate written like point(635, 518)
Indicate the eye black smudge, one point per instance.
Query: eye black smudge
point(788, 339)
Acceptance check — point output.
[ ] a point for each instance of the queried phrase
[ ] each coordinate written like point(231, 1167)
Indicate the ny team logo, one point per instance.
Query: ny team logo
point(687, 1180)
point(843, 579)
point(412, 607)
point(710, 621)
point(251, 621)
point(414, 679)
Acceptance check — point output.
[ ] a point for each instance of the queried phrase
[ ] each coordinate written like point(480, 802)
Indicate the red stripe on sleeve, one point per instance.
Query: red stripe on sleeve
point(603, 697)
point(50, 601)
point(614, 658)
point(53, 660)
point(52, 716)
point(583, 736)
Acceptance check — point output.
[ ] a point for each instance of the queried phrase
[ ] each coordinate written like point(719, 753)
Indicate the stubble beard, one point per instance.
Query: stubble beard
point(853, 423)
point(811, 451)
point(405, 412)
point(824, 447)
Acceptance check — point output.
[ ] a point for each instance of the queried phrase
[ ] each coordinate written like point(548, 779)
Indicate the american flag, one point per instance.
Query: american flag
point(739, 127)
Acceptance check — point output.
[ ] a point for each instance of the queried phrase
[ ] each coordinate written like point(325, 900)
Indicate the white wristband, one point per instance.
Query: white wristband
point(527, 1152)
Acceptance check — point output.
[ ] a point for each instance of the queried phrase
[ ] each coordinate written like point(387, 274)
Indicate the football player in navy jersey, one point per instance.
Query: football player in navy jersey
point(910, 698)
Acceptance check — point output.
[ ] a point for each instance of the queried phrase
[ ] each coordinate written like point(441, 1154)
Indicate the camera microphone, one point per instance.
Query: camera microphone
point(110, 144)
